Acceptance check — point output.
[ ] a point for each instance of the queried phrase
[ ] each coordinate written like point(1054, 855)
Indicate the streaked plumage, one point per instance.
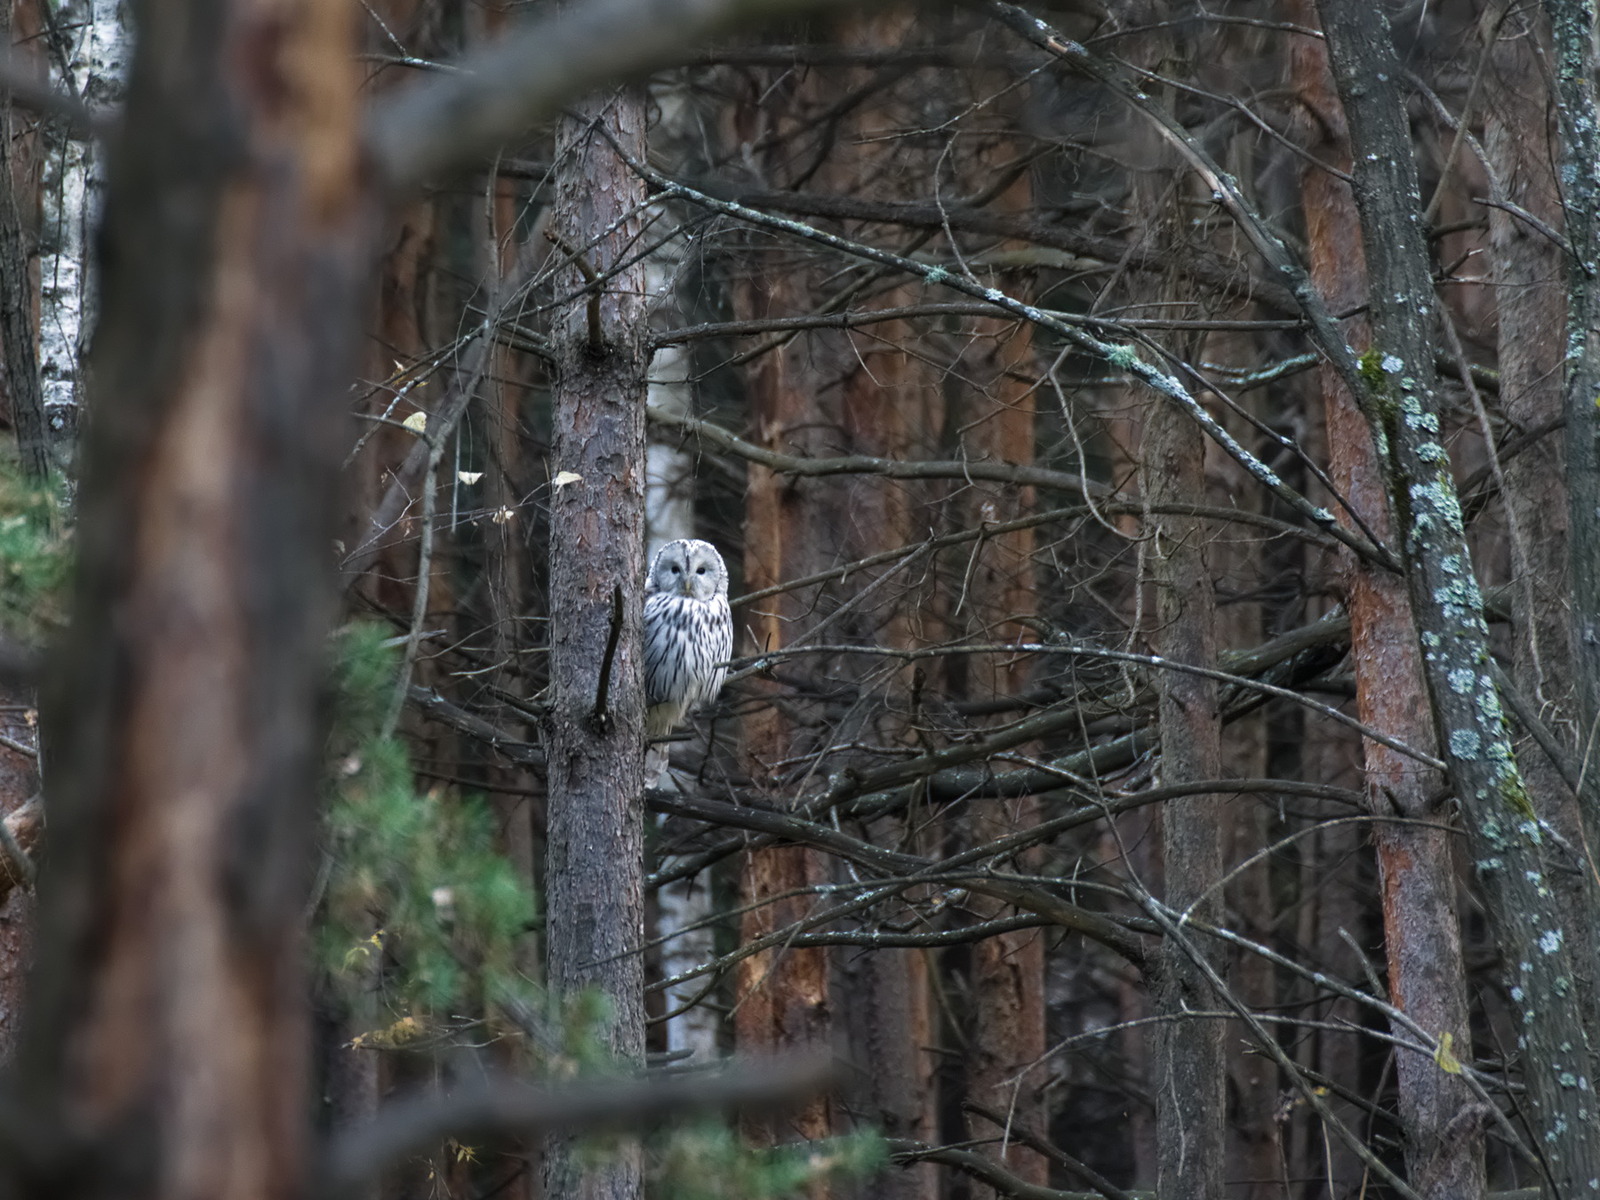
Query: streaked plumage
point(688, 632)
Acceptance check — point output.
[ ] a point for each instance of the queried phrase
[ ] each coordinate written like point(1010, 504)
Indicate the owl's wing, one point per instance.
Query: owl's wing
point(721, 639)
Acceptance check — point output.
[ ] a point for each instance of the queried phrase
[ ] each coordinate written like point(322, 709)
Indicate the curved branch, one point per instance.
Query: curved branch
point(454, 119)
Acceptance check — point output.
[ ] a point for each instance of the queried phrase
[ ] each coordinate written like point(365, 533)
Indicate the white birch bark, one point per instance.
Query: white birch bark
point(95, 43)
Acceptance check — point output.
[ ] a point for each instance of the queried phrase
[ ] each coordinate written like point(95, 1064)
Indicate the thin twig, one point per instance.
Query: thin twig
point(591, 278)
point(419, 600)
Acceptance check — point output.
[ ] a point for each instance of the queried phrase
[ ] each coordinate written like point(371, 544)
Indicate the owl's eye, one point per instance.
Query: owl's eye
point(699, 570)
point(675, 571)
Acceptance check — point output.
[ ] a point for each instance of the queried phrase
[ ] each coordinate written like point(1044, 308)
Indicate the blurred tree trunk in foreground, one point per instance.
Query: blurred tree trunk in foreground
point(165, 1054)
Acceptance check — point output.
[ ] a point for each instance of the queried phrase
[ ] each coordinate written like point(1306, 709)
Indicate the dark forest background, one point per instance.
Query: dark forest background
point(1154, 447)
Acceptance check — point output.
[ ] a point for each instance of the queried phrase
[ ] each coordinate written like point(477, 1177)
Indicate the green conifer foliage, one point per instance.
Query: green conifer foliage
point(35, 556)
point(413, 875)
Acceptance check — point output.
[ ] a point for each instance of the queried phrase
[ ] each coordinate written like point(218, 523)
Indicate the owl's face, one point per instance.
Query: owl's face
point(689, 568)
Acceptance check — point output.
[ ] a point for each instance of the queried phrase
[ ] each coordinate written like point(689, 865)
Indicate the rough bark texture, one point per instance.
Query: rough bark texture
point(595, 822)
point(1188, 1067)
point(168, 1017)
point(781, 994)
point(1529, 276)
point(19, 342)
point(1422, 942)
point(1572, 29)
point(23, 814)
point(1514, 855)
point(1572, 36)
point(1006, 1069)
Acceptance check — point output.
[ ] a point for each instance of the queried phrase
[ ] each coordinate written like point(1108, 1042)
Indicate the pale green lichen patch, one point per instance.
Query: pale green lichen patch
point(1124, 357)
point(1459, 597)
point(1464, 743)
point(1438, 499)
point(1462, 680)
point(1489, 710)
point(1550, 941)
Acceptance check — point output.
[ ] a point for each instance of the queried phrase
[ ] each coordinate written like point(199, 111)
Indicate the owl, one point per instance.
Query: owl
point(688, 632)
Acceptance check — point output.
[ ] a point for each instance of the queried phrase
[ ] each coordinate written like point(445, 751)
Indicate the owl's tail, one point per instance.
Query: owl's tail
point(656, 758)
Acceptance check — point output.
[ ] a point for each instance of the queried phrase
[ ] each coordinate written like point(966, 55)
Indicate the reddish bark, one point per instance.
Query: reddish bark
point(997, 596)
point(1444, 1156)
point(168, 1018)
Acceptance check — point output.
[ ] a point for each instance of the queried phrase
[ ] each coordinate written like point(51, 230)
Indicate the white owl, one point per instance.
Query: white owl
point(688, 632)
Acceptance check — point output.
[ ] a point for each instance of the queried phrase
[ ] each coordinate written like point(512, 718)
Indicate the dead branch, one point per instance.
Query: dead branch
point(510, 1107)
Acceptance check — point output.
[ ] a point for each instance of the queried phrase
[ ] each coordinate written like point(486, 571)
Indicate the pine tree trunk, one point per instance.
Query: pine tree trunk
point(1515, 858)
point(1422, 938)
point(1188, 1069)
point(167, 1020)
point(595, 738)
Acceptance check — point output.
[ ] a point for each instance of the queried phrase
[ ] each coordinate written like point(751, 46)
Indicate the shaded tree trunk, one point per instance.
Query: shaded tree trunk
point(1572, 29)
point(1188, 1069)
point(1444, 1142)
point(1006, 1072)
point(595, 741)
point(1515, 858)
point(167, 1023)
point(1527, 269)
point(19, 278)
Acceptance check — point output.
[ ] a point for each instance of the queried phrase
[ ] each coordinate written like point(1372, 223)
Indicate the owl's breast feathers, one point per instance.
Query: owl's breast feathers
point(687, 644)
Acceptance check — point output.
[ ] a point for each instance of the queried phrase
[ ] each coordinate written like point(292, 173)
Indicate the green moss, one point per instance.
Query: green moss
point(1514, 794)
point(1371, 366)
point(1124, 357)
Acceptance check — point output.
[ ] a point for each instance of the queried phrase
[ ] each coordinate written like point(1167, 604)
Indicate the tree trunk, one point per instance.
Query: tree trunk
point(1188, 1069)
point(167, 1025)
point(1526, 266)
point(595, 740)
point(1422, 939)
point(1515, 857)
point(1006, 1071)
point(19, 339)
point(1572, 35)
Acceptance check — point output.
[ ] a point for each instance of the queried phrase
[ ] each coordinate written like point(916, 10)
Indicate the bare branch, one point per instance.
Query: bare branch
point(454, 119)
point(504, 1106)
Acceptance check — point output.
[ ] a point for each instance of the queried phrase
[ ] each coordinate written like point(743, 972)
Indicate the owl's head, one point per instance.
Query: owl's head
point(688, 568)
